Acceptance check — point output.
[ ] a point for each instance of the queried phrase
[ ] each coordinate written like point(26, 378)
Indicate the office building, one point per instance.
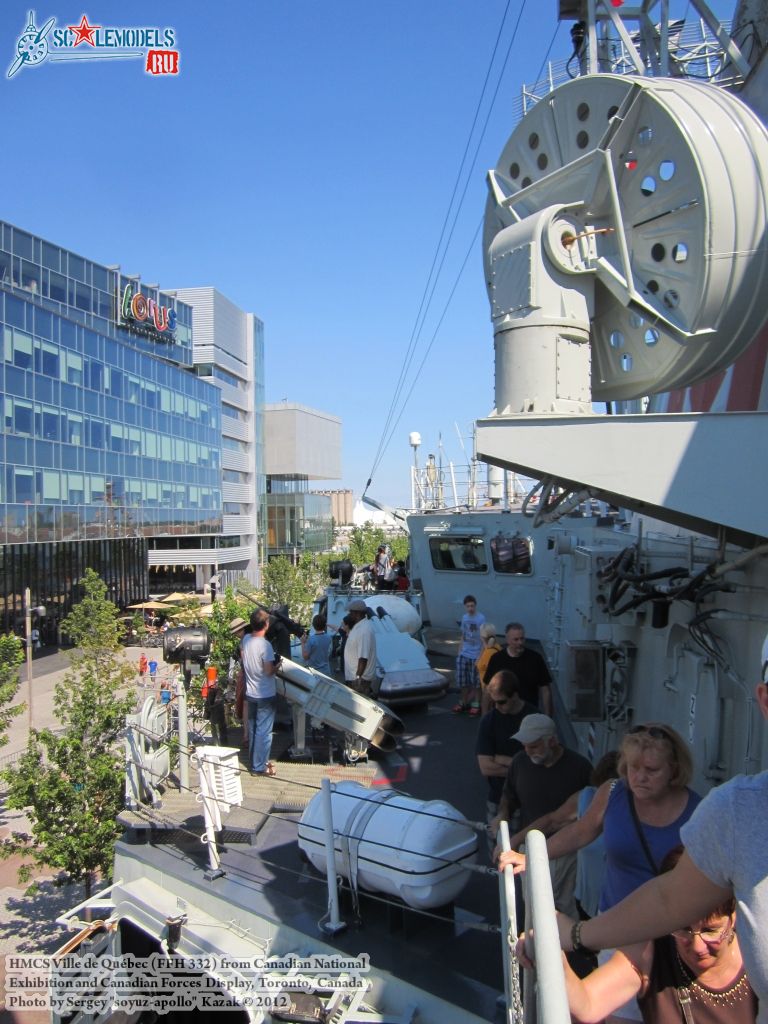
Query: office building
point(228, 351)
point(112, 443)
point(301, 445)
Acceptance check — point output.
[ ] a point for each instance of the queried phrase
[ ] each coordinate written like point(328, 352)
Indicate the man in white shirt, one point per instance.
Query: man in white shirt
point(360, 649)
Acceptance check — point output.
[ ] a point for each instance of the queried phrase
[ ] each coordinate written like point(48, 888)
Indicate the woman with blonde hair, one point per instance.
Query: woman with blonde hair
point(490, 646)
point(639, 817)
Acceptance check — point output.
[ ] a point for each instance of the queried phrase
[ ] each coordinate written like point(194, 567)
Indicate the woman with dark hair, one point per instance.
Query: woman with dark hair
point(693, 976)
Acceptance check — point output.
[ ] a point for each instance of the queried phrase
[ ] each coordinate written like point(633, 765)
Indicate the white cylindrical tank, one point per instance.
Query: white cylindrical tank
point(415, 849)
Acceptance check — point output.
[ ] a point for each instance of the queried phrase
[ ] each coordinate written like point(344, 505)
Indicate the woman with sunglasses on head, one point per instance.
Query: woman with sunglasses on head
point(693, 976)
point(639, 817)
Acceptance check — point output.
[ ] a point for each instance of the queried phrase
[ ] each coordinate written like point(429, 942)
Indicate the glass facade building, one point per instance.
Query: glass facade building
point(109, 434)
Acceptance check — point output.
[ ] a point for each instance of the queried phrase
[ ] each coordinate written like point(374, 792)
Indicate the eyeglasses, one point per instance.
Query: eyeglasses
point(656, 732)
point(709, 936)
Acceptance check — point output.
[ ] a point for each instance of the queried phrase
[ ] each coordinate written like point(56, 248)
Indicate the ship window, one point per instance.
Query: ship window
point(458, 554)
point(511, 555)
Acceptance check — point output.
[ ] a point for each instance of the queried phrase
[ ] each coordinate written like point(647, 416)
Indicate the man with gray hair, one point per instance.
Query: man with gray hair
point(360, 649)
point(541, 778)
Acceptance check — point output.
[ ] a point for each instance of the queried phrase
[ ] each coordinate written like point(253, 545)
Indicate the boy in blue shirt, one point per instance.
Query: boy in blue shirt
point(466, 671)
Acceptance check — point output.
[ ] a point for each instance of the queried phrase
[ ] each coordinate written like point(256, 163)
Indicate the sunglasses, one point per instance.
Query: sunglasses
point(709, 936)
point(656, 732)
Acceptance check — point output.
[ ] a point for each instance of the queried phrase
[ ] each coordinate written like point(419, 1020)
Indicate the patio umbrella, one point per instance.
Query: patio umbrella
point(176, 598)
point(150, 606)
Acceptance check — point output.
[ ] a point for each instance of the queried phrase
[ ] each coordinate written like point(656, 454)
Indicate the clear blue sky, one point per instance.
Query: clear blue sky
point(302, 163)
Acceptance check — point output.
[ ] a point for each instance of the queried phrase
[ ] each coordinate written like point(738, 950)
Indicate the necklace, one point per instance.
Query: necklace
point(730, 996)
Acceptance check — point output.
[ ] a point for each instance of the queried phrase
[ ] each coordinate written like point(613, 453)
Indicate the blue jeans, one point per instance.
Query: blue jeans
point(261, 718)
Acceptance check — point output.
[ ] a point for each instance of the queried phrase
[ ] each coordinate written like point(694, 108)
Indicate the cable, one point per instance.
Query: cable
point(424, 309)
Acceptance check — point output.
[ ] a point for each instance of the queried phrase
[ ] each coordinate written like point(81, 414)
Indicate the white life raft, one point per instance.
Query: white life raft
point(418, 850)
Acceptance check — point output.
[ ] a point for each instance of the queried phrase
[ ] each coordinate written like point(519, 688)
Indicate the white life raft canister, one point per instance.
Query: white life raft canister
point(386, 842)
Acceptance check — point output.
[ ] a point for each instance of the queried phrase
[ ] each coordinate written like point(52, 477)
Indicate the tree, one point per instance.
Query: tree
point(223, 640)
point(298, 586)
point(71, 783)
point(11, 656)
point(365, 540)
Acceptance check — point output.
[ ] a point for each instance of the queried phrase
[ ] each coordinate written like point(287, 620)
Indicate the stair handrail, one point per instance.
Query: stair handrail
point(545, 997)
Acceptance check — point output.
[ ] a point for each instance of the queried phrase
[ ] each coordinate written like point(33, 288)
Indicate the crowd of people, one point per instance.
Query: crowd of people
point(669, 889)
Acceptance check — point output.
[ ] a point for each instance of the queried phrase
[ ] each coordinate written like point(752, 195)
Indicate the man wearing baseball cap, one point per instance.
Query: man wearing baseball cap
point(541, 778)
point(360, 649)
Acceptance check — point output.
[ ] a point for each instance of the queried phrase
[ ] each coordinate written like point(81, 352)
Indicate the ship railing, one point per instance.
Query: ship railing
point(544, 1000)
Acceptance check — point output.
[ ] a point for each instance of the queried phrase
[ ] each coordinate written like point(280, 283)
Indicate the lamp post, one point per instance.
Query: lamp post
point(28, 610)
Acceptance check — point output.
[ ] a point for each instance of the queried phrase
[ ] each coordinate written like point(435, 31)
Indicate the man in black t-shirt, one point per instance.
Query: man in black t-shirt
point(528, 666)
point(539, 780)
point(495, 746)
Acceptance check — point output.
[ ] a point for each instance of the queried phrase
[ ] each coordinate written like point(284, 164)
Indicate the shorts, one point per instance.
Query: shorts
point(466, 673)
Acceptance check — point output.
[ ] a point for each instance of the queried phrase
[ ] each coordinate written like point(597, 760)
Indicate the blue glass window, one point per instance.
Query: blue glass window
point(14, 311)
point(57, 287)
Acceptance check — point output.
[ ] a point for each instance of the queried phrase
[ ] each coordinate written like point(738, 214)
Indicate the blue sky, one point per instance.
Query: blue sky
point(301, 162)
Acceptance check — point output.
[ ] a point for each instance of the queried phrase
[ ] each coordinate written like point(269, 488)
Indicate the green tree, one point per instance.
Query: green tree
point(71, 782)
point(11, 656)
point(223, 640)
point(298, 586)
point(365, 541)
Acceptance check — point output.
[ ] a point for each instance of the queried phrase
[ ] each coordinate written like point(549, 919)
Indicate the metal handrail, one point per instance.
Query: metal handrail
point(545, 1000)
point(514, 1013)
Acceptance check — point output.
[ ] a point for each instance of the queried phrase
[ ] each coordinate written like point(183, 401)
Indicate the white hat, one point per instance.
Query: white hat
point(535, 727)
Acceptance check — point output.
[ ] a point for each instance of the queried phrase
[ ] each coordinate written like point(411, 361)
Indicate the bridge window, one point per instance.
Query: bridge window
point(458, 554)
point(511, 554)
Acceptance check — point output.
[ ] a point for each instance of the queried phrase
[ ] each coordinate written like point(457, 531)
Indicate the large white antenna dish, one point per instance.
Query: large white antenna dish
point(649, 198)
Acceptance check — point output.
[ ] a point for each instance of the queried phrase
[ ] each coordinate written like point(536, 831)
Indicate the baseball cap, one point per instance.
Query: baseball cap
point(237, 624)
point(357, 606)
point(535, 727)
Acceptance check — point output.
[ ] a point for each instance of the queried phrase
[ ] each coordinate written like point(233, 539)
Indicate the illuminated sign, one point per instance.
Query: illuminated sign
point(138, 311)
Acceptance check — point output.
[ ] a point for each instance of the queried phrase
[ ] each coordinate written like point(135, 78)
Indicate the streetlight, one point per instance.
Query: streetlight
point(28, 612)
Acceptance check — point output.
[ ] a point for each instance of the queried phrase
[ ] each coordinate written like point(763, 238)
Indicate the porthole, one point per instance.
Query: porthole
point(542, 161)
point(616, 339)
point(612, 112)
point(666, 169)
point(635, 320)
point(648, 185)
point(582, 111)
point(671, 299)
point(680, 252)
point(514, 170)
point(658, 252)
point(630, 161)
point(653, 287)
point(651, 336)
point(626, 362)
point(582, 140)
point(525, 182)
point(533, 140)
point(645, 136)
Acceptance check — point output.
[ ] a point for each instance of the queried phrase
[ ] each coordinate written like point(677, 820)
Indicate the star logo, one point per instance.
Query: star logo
point(83, 32)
